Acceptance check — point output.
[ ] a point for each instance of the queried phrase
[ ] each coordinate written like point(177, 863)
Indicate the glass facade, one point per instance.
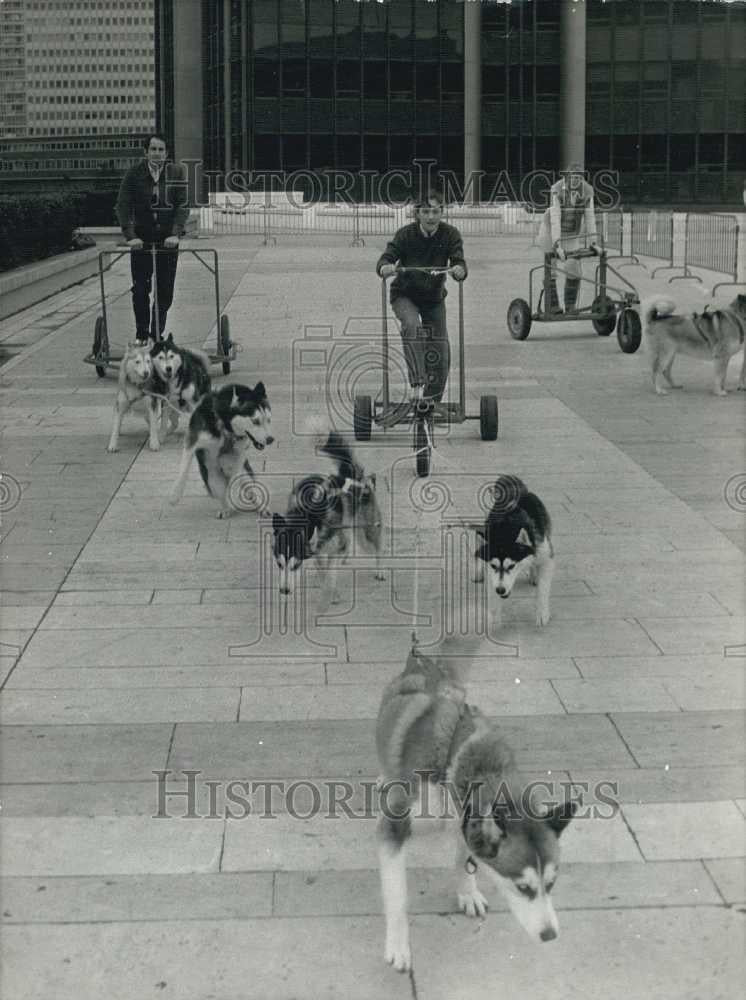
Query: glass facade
point(342, 84)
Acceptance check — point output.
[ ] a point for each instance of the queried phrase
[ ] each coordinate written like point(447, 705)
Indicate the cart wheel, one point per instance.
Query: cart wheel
point(519, 319)
point(362, 418)
point(488, 418)
point(629, 330)
point(604, 308)
point(422, 448)
point(100, 345)
point(224, 347)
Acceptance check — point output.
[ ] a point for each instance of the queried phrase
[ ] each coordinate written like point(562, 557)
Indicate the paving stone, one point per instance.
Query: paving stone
point(678, 830)
point(641, 953)
point(132, 705)
point(614, 695)
point(88, 598)
point(482, 668)
point(700, 636)
point(599, 885)
point(729, 875)
point(121, 845)
point(363, 700)
point(708, 691)
point(277, 959)
point(683, 739)
point(672, 665)
point(134, 646)
point(27, 617)
point(30, 598)
point(80, 753)
point(92, 899)
point(664, 783)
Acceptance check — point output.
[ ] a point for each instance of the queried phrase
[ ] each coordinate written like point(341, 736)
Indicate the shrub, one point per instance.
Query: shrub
point(36, 226)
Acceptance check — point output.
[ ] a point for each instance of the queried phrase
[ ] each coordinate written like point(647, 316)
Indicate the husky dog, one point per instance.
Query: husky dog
point(322, 510)
point(181, 376)
point(515, 537)
point(714, 335)
point(427, 733)
point(135, 382)
point(225, 424)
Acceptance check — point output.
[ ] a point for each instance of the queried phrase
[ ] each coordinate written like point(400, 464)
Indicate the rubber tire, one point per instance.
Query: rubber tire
point(629, 330)
point(362, 418)
point(423, 452)
point(225, 342)
point(604, 327)
point(488, 420)
point(100, 344)
point(519, 319)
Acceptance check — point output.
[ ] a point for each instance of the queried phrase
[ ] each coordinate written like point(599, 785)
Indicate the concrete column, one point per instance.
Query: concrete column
point(187, 56)
point(572, 82)
point(228, 155)
point(472, 95)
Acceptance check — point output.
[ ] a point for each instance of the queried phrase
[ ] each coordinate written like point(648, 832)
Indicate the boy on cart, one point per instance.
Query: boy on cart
point(568, 224)
point(417, 298)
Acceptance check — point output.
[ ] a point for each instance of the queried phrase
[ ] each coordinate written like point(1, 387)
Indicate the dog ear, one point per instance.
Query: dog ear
point(523, 538)
point(372, 479)
point(260, 391)
point(560, 816)
point(278, 523)
point(482, 533)
point(482, 553)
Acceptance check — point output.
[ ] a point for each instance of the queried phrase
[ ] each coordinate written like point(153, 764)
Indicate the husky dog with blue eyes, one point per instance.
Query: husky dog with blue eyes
point(516, 538)
point(226, 425)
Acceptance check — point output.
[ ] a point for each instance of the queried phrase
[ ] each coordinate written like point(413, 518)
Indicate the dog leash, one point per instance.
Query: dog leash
point(165, 399)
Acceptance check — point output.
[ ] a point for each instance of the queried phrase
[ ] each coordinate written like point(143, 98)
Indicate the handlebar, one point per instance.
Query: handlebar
point(421, 270)
point(583, 252)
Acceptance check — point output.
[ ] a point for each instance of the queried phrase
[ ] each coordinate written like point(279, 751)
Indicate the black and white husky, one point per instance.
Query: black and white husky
point(516, 537)
point(181, 376)
point(223, 429)
point(323, 513)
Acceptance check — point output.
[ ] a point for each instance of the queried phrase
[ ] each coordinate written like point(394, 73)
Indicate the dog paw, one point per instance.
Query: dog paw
point(721, 392)
point(380, 575)
point(473, 903)
point(112, 449)
point(662, 392)
point(741, 387)
point(398, 954)
point(154, 445)
point(222, 514)
point(542, 617)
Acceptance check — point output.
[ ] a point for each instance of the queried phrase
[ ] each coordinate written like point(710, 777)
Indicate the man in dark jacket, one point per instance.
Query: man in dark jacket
point(417, 297)
point(152, 211)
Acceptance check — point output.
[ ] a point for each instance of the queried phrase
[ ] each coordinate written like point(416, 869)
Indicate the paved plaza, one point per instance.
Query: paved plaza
point(148, 662)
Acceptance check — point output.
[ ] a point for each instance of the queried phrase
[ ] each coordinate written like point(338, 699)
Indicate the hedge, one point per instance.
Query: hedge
point(33, 227)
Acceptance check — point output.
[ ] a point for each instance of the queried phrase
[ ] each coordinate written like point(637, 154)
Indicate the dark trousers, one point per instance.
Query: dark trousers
point(425, 341)
point(141, 264)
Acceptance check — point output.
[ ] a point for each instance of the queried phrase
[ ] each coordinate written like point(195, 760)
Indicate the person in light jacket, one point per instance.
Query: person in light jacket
point(568, 224)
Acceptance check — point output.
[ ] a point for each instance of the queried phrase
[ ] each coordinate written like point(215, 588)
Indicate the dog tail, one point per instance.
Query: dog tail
point(340, 452)
point(455, 654)
point(659, 309)
point(201, 357)
point(508, 491)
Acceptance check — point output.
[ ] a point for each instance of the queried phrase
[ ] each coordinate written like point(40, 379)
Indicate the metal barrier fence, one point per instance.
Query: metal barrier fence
point(712, 242)
point(652, 236)
point(706, 240)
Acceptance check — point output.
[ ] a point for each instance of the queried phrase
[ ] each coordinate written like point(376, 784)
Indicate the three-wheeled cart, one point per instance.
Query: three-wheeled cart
point(101, 355)
point(422, 414)
point(611, 307)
